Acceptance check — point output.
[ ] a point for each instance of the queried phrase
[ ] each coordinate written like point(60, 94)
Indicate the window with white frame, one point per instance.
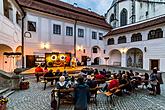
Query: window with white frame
point(69, 31)
point(56, 29)
point(94, 35)
point(80, 32)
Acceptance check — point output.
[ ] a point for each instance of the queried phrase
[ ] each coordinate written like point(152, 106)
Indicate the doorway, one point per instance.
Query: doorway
point(84, 60)
point(154, 63)
point(30, 61)
point(96, 61)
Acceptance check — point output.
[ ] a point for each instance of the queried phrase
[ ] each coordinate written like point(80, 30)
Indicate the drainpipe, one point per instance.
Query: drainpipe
point(75, 25)
point(22, 49)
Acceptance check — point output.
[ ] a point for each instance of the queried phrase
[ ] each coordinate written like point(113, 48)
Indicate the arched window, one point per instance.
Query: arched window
point(123, 17)
point(159, 33)
point(136, 37)
point(8, 10)
point(121, 39)
point(110, 41)
point(112, 17)
point(154, 34)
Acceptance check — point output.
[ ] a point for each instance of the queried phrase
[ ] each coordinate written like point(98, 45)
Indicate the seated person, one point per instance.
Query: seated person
point(49, 74)
point(62, 84)
point(58, 74)
point(127, 87)
point(113, 83)
point(104, 72)
point(91, 83)
point(99, 76)
point(72, 82)
point(82, 74)
point(65, 73)
point(136, 80)
point(38, 69)
point(46, 69)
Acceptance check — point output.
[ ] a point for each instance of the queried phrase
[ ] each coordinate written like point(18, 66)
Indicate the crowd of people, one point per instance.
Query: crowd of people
point(87, 80)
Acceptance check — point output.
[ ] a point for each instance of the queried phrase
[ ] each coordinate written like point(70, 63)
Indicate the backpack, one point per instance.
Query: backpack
point(53, 101)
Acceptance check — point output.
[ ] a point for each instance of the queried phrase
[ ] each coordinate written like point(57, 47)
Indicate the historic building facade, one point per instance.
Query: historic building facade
point(10, 34)
point(137, 37)
point(55, 26)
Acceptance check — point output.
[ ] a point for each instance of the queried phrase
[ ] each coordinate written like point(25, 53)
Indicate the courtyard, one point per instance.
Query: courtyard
point(35, 98)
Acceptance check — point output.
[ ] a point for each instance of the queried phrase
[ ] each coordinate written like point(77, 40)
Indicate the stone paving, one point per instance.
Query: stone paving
point(35, 98)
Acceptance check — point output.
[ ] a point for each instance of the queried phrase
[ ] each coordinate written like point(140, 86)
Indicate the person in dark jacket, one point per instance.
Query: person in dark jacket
point(49, 74)
point(154, 82)
point(91, 83)
point(82, 95)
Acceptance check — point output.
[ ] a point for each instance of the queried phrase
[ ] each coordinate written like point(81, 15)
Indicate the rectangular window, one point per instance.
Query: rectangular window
point(100, 36)
point(69, 31)
point(80, 32)
point(56, 29)
point(31, 26)
point(94, 35)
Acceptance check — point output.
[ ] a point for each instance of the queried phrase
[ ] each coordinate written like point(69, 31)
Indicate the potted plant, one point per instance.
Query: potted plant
point(3, 103)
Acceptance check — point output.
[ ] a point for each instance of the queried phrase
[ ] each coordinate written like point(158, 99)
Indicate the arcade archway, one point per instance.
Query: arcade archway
point(115, 57)
point(135, 58)
point(5, 62)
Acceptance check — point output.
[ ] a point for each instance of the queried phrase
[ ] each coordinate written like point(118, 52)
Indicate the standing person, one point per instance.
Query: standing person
point(153, 81)
point(159, 81)
point(82, 96)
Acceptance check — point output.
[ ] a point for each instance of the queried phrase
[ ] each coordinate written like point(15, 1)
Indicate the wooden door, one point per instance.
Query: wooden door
point(30, 61)
point(154, 63)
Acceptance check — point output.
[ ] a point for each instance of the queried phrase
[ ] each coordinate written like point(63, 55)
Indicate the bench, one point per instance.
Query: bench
point(45, 80)
point(38, 74)
point(69, 90)
point(113, 91)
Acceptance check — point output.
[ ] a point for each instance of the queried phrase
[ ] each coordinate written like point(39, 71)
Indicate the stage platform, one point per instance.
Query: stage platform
point(68, 69)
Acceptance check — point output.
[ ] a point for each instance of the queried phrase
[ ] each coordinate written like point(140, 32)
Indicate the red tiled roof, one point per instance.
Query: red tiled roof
point(65, 10)
point(134, 27)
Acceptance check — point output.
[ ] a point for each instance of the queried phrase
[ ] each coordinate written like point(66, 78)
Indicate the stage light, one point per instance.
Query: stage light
point(45, 45)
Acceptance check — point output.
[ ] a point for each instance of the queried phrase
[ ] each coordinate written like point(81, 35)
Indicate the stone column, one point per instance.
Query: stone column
point(123, 60)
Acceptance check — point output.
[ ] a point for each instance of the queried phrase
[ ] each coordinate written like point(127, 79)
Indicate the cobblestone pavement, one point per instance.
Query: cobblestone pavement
point(35, 98)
